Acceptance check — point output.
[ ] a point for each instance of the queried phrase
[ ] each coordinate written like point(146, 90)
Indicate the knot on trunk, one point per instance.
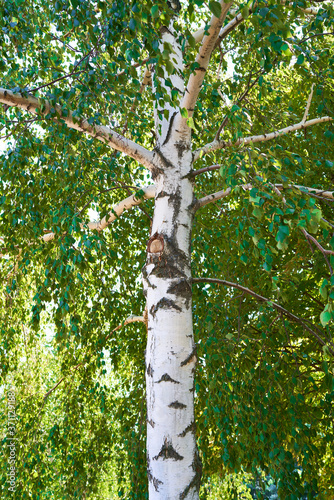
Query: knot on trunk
point(156, 244)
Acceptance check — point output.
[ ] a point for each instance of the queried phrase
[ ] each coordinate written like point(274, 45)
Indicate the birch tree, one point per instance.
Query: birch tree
point(201, 134)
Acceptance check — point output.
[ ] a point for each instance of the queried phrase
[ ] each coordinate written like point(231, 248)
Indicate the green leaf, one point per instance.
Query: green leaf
point(155, 11)
point(300, 59)
point(215, 8)
point(325, 317)
point(190, 123)
point(184, 113)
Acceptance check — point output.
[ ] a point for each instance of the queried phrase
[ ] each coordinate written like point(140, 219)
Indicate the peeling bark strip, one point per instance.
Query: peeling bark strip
point(168, 452)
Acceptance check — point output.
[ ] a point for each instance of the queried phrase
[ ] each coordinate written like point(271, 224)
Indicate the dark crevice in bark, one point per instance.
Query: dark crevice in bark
point(167, 378)
point(191, 356)
point(190, 428)
point(149, 371)
point(152, 424)
point(168, 452)
point(177, 405)
point(164, 304)
point(195, 483)
point(164, 161)
point(153, 480)
point(169, 131)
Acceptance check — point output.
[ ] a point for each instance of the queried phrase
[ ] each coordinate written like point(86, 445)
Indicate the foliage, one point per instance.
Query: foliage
point(265, 387)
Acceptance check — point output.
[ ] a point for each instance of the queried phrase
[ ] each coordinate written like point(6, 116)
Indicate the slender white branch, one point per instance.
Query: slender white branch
point(116, 211)
point(103, 133)
point(277, 188)
point(202, 59)
point(212, 197)
point(307, 109)
point(308, 10)
point(216, 145)
point(231, 25)
point(318, 192)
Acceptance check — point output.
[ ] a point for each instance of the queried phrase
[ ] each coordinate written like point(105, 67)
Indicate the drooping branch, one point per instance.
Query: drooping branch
point(216, 145)
point(47, 394)
point(276, 306)
point(247, 187)
point(130, 319)
point(101, 132)
point(126, 204)
point(208, 44)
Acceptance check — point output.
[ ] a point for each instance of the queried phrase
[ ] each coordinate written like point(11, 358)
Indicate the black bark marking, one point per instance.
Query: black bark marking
point(169, 131)
point(162, 194)
point(177, 405)
point(165, 270)
point(164, 304)
point(153, 480)
point(149, 371)
point(152, 424)
point(181, 148)
point(181, 288)
point(196, 480)
point(167, 378)
point(190, 357)
point(168, 452)
point(156, 171)
point(190, 428)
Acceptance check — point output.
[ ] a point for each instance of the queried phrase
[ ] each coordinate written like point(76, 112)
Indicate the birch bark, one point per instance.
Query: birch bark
point(174, 468)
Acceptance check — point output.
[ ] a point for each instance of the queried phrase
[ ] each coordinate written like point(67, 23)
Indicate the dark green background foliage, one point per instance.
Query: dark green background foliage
point(264, 387)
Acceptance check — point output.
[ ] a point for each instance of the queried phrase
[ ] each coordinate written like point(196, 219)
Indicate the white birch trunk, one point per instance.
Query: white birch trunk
point(174, 468)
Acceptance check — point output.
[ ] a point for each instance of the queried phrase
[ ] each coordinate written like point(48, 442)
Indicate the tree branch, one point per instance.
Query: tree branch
point(216, 145)
point(205, 169)
point(279, 308)
point(130, 202)
point(307, 109)
point(202, 60)
point(130, 319)
point(247, 187)
point(103, 133)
